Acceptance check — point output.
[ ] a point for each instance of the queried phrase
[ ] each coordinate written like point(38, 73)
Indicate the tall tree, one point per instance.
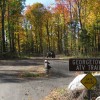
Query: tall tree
point(3, 7)
point(62, 11)
point(35, 14)
point(14, 15)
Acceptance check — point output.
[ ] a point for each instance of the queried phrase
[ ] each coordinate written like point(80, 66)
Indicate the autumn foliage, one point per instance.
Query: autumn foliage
point(69, 27)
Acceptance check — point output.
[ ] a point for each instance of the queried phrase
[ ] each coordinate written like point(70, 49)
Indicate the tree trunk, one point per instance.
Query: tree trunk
point(3, 28)
point(48, 42)
point(18, 44)
point(9, 28)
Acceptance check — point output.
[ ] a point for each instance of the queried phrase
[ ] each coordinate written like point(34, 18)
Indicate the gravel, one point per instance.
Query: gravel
point(13, 87)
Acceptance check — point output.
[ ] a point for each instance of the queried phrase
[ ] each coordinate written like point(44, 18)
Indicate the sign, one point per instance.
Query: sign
point(89, 64)
point(89, 81)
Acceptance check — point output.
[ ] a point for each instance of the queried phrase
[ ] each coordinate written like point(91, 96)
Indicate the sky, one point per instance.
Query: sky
point(44, 2)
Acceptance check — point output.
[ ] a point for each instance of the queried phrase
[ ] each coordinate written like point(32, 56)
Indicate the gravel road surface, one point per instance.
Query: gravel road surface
point(15, 88)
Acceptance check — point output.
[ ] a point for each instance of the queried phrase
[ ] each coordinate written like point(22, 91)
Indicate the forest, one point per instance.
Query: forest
point(68, 27)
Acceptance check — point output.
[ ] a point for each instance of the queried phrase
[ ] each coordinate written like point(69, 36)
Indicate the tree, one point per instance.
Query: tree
point(34, 15)
point(3, 7)
point(11, 11)
point(61, 19)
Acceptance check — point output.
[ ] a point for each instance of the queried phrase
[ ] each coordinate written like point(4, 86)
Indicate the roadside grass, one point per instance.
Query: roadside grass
point(62, 56)
point(32, 71)
point(56, 94)
point(31, 74)
point(65, 94)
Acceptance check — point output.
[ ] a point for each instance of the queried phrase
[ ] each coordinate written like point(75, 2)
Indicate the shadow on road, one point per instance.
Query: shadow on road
point(59, 70)
point(11, 77)
point(60, 75)
point(14, 77)
point(20, 62)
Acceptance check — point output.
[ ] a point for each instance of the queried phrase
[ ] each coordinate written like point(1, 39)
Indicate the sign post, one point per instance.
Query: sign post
point(88, 65)
point(89, 81)
point(89, 94)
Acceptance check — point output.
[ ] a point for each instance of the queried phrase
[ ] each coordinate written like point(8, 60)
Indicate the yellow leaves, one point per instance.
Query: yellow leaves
point(89, 12)
point(27, 11)
point(91, 18)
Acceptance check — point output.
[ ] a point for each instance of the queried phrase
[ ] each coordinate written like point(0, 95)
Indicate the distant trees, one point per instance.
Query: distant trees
point(70, 27)
point(11, 13)
point(34, 16)
point(81, 20)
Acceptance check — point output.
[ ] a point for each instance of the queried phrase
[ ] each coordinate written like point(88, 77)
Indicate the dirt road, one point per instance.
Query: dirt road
point(13, 87)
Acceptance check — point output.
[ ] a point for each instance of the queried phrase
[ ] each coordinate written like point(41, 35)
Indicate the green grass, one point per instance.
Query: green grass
point(28, 74)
